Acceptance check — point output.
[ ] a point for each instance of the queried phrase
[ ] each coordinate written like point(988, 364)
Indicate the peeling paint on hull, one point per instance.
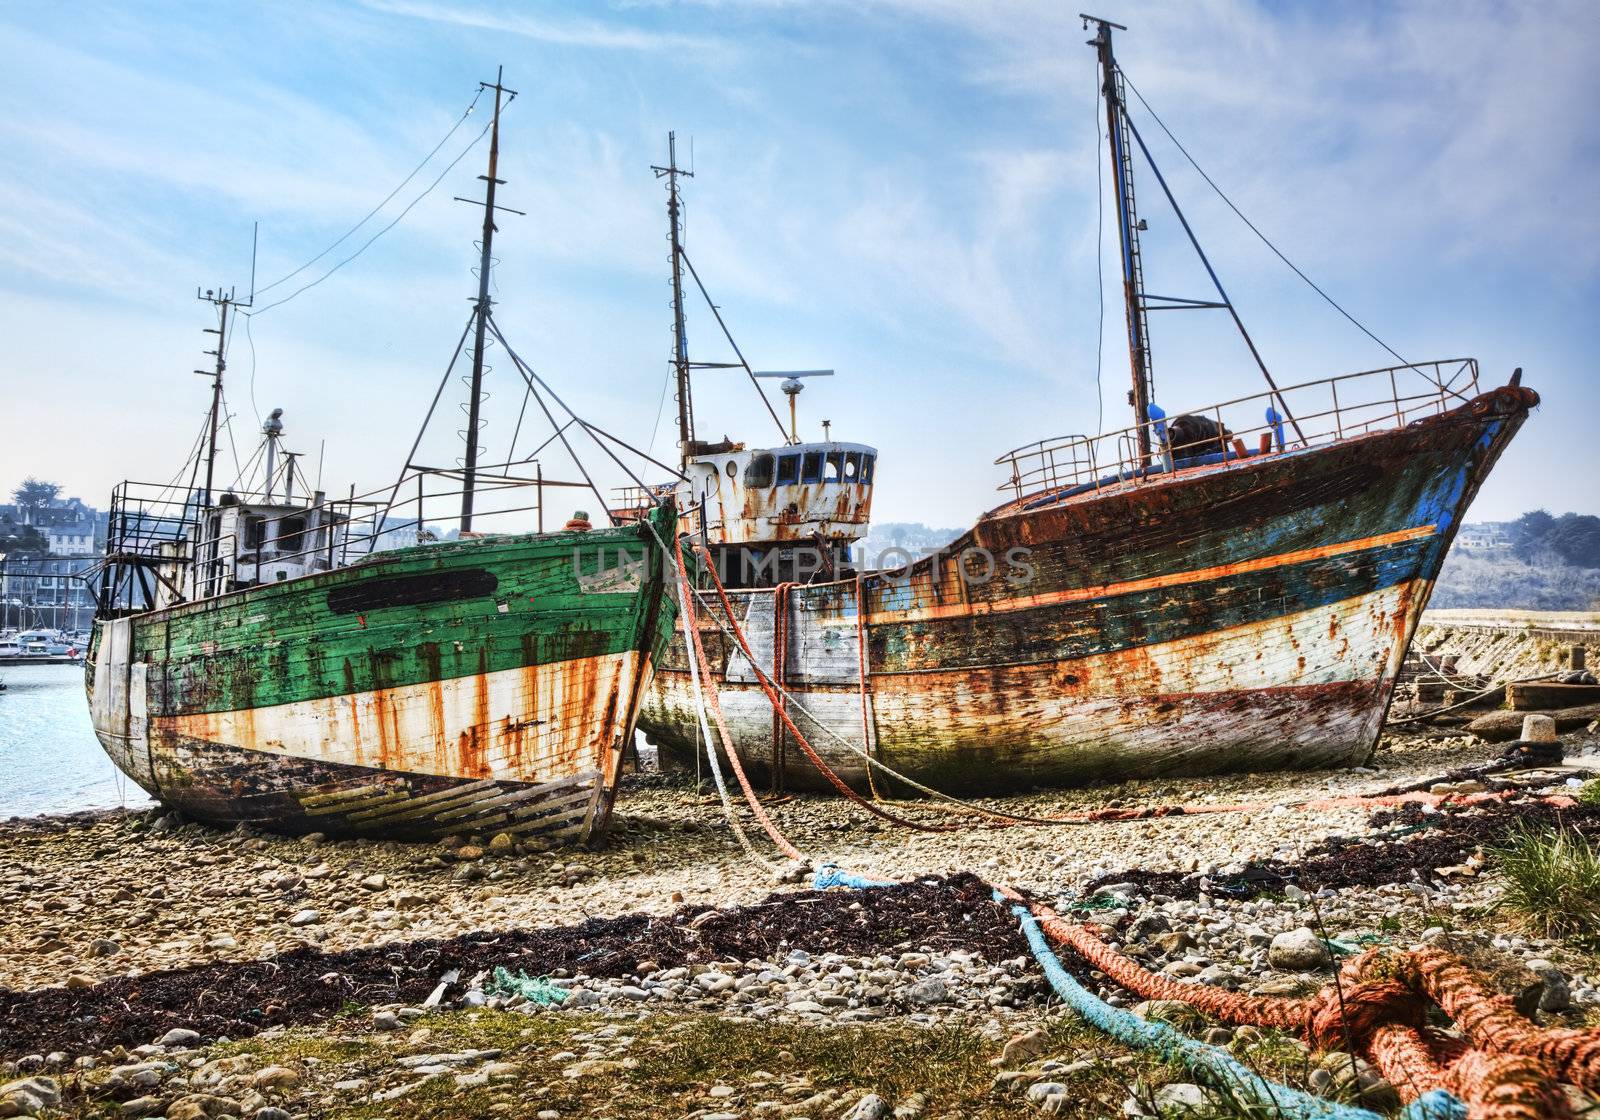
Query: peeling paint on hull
point(487, 685)
point(1246, 617)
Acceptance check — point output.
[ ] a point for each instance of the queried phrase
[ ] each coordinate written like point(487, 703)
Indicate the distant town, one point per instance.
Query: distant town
point(47, 545)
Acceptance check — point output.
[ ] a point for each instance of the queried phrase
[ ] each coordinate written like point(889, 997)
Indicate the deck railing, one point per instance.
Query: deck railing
point(1312, 414)
point(153, 539)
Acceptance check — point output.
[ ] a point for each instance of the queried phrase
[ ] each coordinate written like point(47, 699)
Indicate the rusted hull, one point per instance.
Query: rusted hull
point(487, 686)
point(1243, 617)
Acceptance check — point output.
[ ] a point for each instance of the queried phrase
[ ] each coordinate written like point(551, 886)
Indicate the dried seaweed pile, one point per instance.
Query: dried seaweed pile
point(1416, 845)
point(240, 998)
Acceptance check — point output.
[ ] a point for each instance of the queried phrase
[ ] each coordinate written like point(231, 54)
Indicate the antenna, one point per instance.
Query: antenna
point(792, 385)
point(481, 307)
point(680, 337)
point(223, 303)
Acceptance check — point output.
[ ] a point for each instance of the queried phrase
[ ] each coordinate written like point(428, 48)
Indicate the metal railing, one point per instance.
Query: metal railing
point(1312, 414)
point(164, 537)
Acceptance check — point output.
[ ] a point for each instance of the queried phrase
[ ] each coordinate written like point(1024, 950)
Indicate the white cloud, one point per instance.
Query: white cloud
point(558, 32)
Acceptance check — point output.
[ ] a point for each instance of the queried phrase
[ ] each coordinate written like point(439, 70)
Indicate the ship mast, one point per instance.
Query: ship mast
point(481, 309)
point(227, 304)
point(680, 337)
point(1128, 227)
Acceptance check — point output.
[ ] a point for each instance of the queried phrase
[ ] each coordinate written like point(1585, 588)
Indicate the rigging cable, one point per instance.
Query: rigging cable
point(368, 243)
point(248, 337)
point(1252, 227)
point(387, 198)
point(1099, 270)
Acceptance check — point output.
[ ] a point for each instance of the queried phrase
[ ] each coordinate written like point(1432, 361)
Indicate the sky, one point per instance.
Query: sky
point(908, 192)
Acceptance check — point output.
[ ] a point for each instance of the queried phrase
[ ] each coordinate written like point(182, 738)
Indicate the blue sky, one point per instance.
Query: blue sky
point(904, 190)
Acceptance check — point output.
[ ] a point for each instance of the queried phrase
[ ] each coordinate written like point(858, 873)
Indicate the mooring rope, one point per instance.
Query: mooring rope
point(1378, 1005)
point(864, 676)
point(709, 697)
point(690, 638)
point(1214, 1063)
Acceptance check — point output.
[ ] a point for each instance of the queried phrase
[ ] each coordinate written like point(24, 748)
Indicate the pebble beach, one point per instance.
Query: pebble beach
point(101, 907)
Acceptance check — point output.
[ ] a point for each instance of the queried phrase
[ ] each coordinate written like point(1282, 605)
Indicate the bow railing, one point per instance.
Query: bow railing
point(1312, 414)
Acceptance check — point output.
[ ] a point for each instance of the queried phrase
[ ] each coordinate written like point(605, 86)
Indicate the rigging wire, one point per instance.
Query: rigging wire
point(386, 200)
point(368, 243)
point(1099, 268)
point(1252, 227)
point(251, 340)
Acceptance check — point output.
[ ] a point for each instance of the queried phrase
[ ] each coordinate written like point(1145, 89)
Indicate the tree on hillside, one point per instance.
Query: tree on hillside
point(1528, 533)
point(1575, 538)
point(20, 538)
point(34, 494)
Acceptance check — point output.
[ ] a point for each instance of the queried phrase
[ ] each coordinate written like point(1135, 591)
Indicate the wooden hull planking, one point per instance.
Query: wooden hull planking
point(489, 685)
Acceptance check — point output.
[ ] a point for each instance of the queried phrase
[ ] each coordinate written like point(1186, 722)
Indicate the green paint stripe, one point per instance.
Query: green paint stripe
point(280, 643)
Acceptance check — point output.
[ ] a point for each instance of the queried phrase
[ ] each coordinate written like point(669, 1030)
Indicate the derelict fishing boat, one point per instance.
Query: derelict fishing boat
point(306, 664)
point(1232, 588)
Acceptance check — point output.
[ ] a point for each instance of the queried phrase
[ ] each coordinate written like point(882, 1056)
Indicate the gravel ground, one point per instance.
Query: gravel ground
point(124, 897)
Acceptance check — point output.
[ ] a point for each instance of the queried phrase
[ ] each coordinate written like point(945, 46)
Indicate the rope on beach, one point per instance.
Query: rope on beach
point(1214, 1063)
point(1506, 1068)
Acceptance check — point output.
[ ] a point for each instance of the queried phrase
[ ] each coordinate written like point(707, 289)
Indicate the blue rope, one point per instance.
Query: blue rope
point(1213, 1061)
point(832, 875)
point(1147, 1034)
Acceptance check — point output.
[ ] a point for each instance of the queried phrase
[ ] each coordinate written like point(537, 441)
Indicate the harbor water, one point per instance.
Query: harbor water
point(50, 761)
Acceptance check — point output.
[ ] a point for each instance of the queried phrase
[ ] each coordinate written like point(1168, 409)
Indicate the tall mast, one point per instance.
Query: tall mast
point(1128, 226)
point(481, 326)
point(224, 304)
point(680, 337)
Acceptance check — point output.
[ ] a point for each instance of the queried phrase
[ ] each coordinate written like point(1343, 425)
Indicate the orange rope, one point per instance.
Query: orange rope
point(780, 673)
point(714, 702)
point(861, 672)
point(816, 759)
point(1378, 1006)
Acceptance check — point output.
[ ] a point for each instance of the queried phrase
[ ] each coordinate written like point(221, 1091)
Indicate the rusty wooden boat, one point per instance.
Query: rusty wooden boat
point(1227, 589)
point(315, 665)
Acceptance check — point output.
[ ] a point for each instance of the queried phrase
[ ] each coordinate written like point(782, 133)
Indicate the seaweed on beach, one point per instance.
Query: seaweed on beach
point(240, 998)
point(1415, 844)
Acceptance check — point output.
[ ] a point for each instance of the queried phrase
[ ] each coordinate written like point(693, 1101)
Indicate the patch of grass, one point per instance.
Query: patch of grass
point(1552, 881)
point(1589, 792)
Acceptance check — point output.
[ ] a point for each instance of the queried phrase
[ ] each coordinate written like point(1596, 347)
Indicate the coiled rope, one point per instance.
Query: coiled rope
point(1505, 1070)
point(1214, 1063)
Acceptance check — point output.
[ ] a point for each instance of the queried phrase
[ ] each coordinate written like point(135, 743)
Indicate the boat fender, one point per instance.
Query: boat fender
point(1158, 422)
point(1275, 422)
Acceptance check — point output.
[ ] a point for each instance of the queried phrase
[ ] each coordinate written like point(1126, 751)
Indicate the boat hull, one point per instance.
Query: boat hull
point(489, 685)
point(1245, 616)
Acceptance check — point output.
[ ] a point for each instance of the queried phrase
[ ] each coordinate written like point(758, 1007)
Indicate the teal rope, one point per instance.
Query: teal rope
point(1213, 1061)
point(832, 875)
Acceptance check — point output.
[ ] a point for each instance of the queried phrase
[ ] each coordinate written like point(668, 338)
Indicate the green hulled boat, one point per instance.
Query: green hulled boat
point(331, 666)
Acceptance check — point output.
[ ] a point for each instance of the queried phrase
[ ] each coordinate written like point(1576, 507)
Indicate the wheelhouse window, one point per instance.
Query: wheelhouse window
point(852, 466)
point(255, 534)
point(867, 462)
point(835, 466)
point(290, 530)
point(812, 471)
point(788, 470)
point(758, 475)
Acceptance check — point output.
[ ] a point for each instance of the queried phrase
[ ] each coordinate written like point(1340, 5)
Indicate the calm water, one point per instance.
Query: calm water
point(50, 761)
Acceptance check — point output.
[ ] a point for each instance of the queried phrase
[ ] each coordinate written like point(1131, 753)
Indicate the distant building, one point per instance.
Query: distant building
point(47, 589)
point(1485, 536)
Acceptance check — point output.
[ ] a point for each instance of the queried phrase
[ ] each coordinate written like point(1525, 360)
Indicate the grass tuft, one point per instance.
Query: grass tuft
point(1552, 881)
